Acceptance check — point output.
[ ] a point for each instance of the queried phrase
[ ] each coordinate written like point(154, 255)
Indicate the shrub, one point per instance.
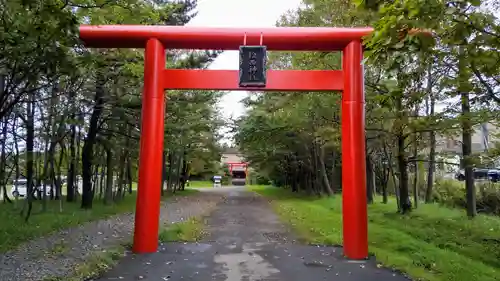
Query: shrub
point(225, 180)
point(452, 193)
point(488, 200)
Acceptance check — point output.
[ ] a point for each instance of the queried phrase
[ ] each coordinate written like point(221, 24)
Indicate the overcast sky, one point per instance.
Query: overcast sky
point(238, 13)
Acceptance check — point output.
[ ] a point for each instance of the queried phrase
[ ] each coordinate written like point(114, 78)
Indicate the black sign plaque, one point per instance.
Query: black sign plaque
point(253, 66)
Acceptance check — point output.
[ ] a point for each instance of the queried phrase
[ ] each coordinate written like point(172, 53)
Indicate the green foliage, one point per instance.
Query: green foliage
point(452, 193)
point(451, 30)
point(433, 243)
point(43, 59)
point(192, 124)
point(226, 180)
point(226, 176)
point(35, 46)
point(259, 179)
point(421, 55)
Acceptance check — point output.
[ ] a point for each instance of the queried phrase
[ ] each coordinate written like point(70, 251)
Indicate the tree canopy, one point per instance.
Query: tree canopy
point(71, 115)
point(431, 74)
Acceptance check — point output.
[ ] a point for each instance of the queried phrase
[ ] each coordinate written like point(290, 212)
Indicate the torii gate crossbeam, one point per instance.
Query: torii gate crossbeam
point(155, 39)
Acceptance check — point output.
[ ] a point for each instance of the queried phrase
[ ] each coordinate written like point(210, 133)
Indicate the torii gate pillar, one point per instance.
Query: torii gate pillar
point(354, 202)
point(147, 211)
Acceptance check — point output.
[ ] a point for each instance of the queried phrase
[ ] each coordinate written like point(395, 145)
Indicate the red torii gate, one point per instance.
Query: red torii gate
point(155, 39)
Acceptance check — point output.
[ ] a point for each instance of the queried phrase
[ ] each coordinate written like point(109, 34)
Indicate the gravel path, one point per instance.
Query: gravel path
point(57, 255)
point(245, 217)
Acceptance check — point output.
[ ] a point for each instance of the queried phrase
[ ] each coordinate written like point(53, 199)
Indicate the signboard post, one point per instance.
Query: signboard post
point(253, 66)
point(217, 181)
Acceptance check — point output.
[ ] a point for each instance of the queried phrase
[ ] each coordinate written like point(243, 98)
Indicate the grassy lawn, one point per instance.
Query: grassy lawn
point(14, 231)
point(191, 230)
point(201, 184)
point(433, 243)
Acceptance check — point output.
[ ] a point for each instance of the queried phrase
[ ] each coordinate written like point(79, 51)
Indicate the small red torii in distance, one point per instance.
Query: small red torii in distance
point(155, 39)
point(232, 165)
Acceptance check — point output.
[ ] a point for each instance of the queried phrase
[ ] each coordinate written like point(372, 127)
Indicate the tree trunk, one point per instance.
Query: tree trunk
point(324, 175)
point(129, 162)
point(42, 180)
point(332, 171)
point(52, 178)
point(385, 195)
point(178, 171)
point(121, 176)
point(90, 140)
point(47, 176)
point(71, 177)
point(392, 174)
point(30, 139)
point(404, 198)
point(129, 175)
point(313, 158)
point(163, 173)
point(184, 173)
point(463, 89)
point(370, 181)
point(295, 173)
point(55, 134)
point(3, 161)
point(100, 180)
point(57, 174)
point(170, 171)
point(16, 153)
point(431, 168)
point(108, 194)
point(79, 181)
point(432, 142)
point(415, 157)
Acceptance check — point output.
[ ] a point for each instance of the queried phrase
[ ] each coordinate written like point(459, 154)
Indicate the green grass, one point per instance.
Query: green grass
point(201, 184)
point(432, 243)
point(191, 230)
point(15, 231)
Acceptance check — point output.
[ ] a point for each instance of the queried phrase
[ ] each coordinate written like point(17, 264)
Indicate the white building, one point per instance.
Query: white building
point(483, 137)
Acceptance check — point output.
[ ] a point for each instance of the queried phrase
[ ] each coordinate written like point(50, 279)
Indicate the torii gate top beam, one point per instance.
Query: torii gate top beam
point(184, 37)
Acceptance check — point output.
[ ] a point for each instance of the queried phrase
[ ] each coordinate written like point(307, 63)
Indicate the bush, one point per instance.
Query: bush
point(488, 198)
point(452, 193)
point(225, 180)
point(258, 179)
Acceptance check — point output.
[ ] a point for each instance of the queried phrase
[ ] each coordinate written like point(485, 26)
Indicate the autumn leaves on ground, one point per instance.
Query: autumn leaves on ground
point(70, 125)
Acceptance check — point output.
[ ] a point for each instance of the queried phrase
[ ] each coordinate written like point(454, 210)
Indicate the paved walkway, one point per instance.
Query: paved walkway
point(247, 243)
